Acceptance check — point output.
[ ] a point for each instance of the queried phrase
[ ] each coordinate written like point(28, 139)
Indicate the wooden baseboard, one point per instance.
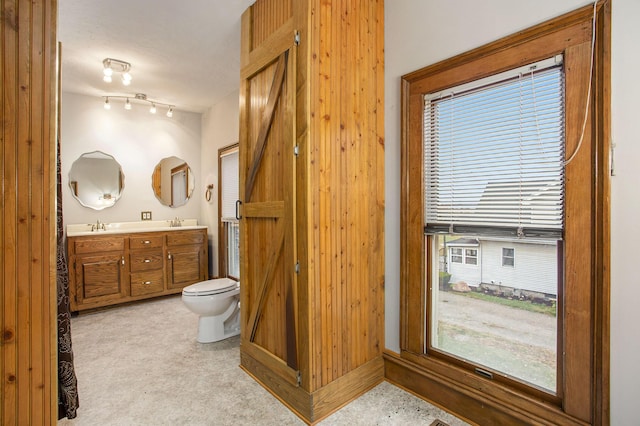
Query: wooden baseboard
point(479, 406)
point(315, 406)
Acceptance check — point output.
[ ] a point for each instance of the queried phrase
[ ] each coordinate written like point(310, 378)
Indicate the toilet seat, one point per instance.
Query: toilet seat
point(211, 287)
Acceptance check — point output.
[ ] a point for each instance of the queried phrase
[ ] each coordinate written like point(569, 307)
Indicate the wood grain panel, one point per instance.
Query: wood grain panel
point(101, 275)
point(334, 96)
point(156, 241)
point(88, 245)
point(147, 283)
point(178, 238)
point(27, 229)
point(268, 16)
point(146, 261)
point(347, 207)
point(578, 291)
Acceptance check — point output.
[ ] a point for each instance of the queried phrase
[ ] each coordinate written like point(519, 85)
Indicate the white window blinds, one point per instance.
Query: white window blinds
point(229, 175)
point(494, 155)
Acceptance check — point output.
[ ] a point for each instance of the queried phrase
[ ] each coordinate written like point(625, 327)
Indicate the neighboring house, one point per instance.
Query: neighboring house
point(492, 263)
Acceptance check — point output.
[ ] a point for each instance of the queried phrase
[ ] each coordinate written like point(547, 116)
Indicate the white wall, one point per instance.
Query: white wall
point(625, 213)
point(421, 32)
point(220, 128)
point(138, 141)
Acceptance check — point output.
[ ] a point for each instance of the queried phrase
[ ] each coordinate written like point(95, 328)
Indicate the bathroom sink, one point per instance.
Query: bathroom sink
point(124, 227)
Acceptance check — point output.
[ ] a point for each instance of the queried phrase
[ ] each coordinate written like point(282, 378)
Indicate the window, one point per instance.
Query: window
point(494, 165)
point(471, 256)
point(456, 255)
point(229, 236)
point(508, 257)
point(485, 157)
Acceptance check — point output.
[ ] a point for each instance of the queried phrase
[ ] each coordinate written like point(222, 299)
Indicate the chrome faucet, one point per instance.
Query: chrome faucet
point(176, 222)
point(98, 226)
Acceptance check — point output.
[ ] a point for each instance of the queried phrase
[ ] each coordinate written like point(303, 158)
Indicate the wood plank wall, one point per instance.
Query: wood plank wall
point(346, 140)
point(27, 214)
point(268, 16)
point(339, 125)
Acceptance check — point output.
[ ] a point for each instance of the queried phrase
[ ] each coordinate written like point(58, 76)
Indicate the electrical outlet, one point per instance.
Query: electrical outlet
point(145, 215)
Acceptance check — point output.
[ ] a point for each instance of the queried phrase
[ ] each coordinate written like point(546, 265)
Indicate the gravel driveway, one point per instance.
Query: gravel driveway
point(514, 341)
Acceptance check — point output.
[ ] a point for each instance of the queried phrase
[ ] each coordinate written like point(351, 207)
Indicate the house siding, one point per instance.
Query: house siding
point(535, 266)
point(462, 272)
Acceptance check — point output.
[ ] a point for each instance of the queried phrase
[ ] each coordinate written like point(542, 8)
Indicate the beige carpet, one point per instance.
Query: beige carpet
point(141, 365)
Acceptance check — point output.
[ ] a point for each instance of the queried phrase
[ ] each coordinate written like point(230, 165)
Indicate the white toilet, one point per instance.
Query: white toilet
point(218, 304)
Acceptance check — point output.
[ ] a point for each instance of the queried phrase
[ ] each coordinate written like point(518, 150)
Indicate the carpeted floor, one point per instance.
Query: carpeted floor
point(140, 364)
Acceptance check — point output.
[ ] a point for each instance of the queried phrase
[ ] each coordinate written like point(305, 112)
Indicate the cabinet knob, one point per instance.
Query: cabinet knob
point(147, 283)
point(147, 260)
point(122, 260)
point(169, 256)
point(147, 242)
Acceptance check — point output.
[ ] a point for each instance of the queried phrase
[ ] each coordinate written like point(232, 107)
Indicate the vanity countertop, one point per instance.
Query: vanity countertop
point(81, 229)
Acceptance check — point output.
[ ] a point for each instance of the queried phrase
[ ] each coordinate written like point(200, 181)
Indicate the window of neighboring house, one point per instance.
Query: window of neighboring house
point(456, 255)
point(229, 236)
point(508, 257)
point(463, 255)
point(485, 147)
point(471, 256)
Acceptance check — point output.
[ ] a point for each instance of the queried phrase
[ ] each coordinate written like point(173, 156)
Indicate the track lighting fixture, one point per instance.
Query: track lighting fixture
point(111, 65)
point(140, 98)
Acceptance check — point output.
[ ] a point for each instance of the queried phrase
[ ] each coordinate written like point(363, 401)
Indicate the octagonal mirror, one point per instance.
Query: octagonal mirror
point(96, 180)
point(172, 182)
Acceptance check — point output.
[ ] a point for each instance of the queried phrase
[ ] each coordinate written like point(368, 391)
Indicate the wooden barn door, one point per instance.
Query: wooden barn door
point(267, 216)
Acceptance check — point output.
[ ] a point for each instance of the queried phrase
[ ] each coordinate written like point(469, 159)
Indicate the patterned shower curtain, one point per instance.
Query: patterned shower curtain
point(67, 382)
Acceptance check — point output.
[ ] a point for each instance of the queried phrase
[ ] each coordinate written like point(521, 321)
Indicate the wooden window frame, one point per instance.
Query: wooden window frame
point(222, 231)
point(583, 378)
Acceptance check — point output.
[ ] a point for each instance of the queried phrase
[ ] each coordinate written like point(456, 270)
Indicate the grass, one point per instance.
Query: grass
point(514, 303)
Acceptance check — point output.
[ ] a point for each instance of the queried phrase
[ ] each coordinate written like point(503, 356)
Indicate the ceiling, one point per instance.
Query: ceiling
point(182, 53)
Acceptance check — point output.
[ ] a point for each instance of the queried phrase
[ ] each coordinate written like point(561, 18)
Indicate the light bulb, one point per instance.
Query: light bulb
point(170, 112)
point(107, 105)
point(126, 78)
point(127, 104)
point(108, 72)
point(152, 110)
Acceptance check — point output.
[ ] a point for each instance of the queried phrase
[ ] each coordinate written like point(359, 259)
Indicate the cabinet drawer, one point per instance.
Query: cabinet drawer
point(146, 282)
point(180, 238)
point(145, 261)
point(98, 245)
point(145, 241)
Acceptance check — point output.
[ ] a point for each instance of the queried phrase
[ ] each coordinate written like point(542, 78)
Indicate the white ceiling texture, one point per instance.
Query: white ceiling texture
point(184, 53)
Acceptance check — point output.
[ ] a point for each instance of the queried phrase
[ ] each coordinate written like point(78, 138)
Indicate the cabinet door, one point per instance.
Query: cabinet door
point(267, 227)
point(99, 278)
point(185, 265)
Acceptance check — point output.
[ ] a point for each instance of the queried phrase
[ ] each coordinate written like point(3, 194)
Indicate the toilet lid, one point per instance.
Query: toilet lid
point(210, 287)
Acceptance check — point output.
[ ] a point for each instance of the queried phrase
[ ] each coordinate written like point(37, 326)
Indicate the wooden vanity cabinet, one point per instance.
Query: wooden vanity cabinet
point(110, 269)
point(186, 258)
point(146, 264)
point(98, 270)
